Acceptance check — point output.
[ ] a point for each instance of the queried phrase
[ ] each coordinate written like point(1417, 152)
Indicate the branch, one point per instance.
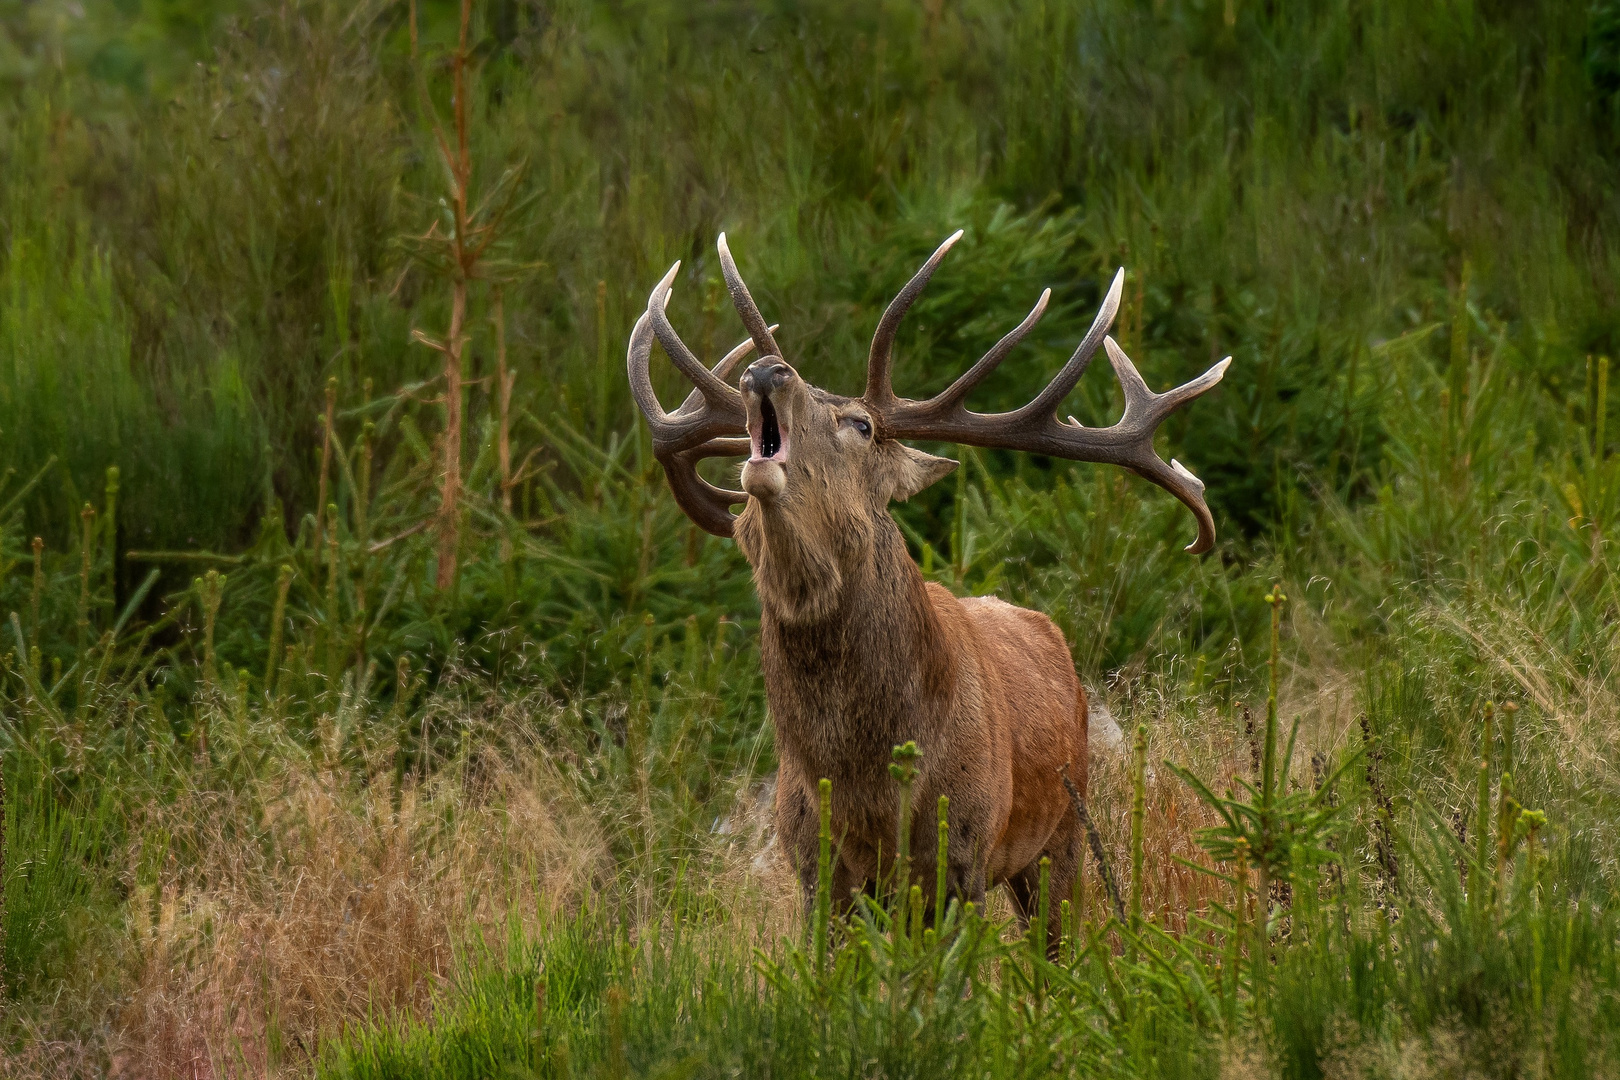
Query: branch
point(1096, 842)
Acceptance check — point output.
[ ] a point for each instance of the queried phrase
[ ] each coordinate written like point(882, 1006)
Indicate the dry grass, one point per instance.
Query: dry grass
point(336, 906)
point(265, 915)
point(1212, 742)
point(1572, 707)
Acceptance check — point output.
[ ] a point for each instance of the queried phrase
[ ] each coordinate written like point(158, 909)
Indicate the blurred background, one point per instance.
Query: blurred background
point(205, 205)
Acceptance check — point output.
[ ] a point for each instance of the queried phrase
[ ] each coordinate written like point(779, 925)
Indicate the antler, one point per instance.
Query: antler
point(1035, 428)
point(711, 416)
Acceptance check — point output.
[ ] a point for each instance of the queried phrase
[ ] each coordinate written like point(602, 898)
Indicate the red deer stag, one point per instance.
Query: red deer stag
point(859, 652)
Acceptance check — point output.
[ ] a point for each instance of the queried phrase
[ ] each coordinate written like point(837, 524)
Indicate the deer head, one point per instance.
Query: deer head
point(825, 467)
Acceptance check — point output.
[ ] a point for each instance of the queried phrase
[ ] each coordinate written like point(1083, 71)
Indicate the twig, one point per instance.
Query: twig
point(1095, 839)
point(184, 556)
point(383, 545)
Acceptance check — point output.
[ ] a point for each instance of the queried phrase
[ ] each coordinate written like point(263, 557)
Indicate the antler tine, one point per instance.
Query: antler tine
point(1139, 399)
point(1132, 447)
point(713, 390)
point(1175, 479)
point(1035, 429)
point(722, 370)
point(701, 427)
point(707, 505)
point(958, 391)
point(879, 387)
point(743, 301)
point(695, 422)
point(1046, 402)
point(638, 362)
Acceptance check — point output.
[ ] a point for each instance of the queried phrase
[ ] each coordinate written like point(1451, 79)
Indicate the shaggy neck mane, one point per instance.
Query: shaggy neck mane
point(849, 639)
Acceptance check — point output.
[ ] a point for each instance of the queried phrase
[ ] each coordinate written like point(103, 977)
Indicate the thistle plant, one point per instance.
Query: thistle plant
point(210, 592)
point(109, 526)
point(87, 520)
point(1534, 821)
point(327, 435)
point(1098, 853)
point(915, 917)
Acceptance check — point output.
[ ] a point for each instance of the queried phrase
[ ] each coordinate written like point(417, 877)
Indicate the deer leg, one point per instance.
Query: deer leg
point(964, 874)
point(798, 830)
point(1064, 849)
point(1021, 888)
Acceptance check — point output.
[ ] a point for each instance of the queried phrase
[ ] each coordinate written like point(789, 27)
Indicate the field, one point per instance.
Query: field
point(369, 709)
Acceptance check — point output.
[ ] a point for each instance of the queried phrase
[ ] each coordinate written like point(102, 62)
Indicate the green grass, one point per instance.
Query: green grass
point(1524, 985)
point(1399, 218)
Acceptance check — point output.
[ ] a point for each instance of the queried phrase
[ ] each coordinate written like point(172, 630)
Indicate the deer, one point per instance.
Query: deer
point(858, 651)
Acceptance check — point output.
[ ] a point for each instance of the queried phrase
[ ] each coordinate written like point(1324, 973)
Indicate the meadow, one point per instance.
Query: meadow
point(369, 709)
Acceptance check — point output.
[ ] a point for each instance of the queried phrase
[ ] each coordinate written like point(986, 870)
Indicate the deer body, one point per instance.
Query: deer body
point(986, 690)
point(860, 654)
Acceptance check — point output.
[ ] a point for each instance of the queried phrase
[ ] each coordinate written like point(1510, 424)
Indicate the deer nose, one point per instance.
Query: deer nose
point(766, 374)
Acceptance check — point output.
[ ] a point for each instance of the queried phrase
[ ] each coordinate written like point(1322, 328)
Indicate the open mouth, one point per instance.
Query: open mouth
point(768, 440)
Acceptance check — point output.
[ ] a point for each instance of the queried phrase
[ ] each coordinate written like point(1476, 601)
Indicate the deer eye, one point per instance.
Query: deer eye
point(859, 425)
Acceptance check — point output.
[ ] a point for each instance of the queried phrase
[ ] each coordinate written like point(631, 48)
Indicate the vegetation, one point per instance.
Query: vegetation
point(334, 746)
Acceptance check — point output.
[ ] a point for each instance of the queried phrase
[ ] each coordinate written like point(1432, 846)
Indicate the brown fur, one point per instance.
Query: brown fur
point(860, 654)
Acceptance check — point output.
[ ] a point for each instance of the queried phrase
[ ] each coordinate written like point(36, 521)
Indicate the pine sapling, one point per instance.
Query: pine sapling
point(904, 770)
point(504, 380)
point(110, 529)
point(278, 617)
point(1240, 916)
point(38, 590)
point(458, 251)
point(823, 880)
point(1043, 914)
point(326, 461)
point(942, 863)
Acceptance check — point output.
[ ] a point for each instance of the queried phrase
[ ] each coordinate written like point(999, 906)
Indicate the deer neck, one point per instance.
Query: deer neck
point(854, 655)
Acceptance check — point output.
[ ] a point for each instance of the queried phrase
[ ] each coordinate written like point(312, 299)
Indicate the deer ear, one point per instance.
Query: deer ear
point(903, 471)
